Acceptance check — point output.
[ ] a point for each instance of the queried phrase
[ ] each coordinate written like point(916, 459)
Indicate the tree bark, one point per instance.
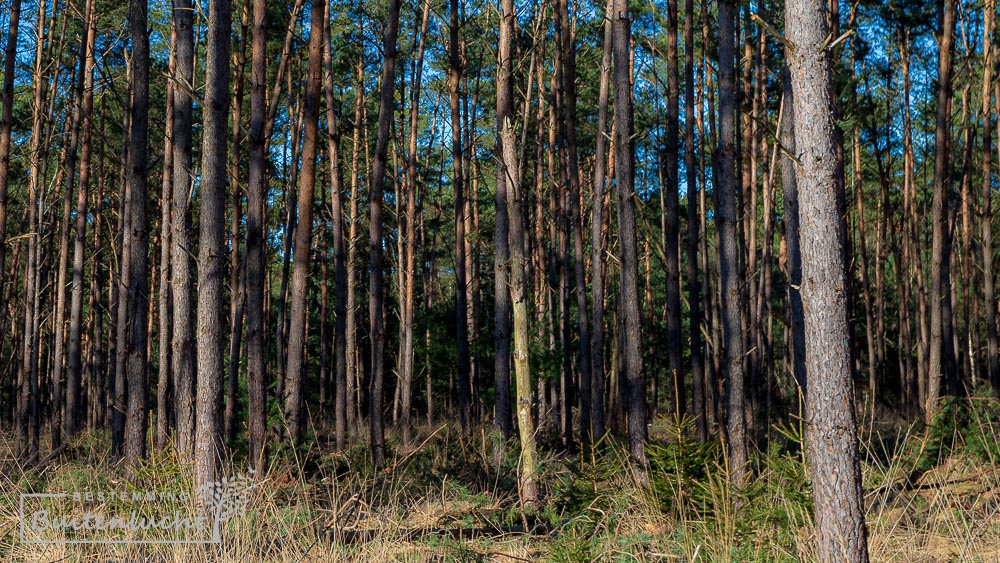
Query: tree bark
point(180, 224)
point(831, 430)
point(256, 225)
point(940, 367)
point(212, 244)
point(732, 308)
point(376, 203)
point(295, 374)
point(137, 240)
point(632, 369)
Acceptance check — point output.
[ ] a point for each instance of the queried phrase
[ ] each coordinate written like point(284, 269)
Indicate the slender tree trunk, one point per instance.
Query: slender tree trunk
point(458, 184)
point(732, 309)
point(694, 286)
point(164, 387)
point(376, 203)
point(408, 259)
point(212, 244)
point(340, 267)
point(183, 352)
point(237, 284)
point(989, 301)
point(940, 365)
point(74, 363)
point(632, 369)
point(507, 175)
point(6, 123)
point(256, 225)
point(598, 427)
point(295, 374)
point(137, 240)
point(792, 237)
point(671, 237)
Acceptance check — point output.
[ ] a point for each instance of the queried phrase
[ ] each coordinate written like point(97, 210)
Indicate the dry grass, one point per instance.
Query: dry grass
point(595, 513)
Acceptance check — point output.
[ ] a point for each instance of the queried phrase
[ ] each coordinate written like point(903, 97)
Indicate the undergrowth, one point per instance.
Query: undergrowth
point(931, 494)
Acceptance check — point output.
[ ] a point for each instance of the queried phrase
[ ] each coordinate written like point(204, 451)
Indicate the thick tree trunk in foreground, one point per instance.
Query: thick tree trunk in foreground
point(831, 430)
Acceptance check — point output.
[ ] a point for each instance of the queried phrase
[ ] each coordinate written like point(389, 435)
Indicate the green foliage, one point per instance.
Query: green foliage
point(963, 425)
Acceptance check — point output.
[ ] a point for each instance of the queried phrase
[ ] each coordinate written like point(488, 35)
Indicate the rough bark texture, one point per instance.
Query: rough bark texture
point(137, 241)
point(831, 430)
point(631, 324)
point(180, 224)
point(212, 244)
point(732, 309)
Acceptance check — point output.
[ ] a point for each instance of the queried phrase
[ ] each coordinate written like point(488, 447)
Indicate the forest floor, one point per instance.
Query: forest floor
point(930, 496)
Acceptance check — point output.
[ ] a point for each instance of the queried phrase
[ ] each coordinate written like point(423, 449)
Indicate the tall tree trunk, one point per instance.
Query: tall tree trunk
point(408, 259)
point(340, 266)
point(6, 123)
point(137, 240)
point(458, 184)
point(256, 225)
point(376, 203)
point(989, 307)
point(694, 286)
point(632, 369)
point(507, 175)
point(295, 374)
point(164, 387)
point(941, 352)
point(74, 362)
point(180, 225)
point(831, 428)
point(675, 376)
point(212, 244)
point(732, 309)
point(598, 427)
point(237, 284)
